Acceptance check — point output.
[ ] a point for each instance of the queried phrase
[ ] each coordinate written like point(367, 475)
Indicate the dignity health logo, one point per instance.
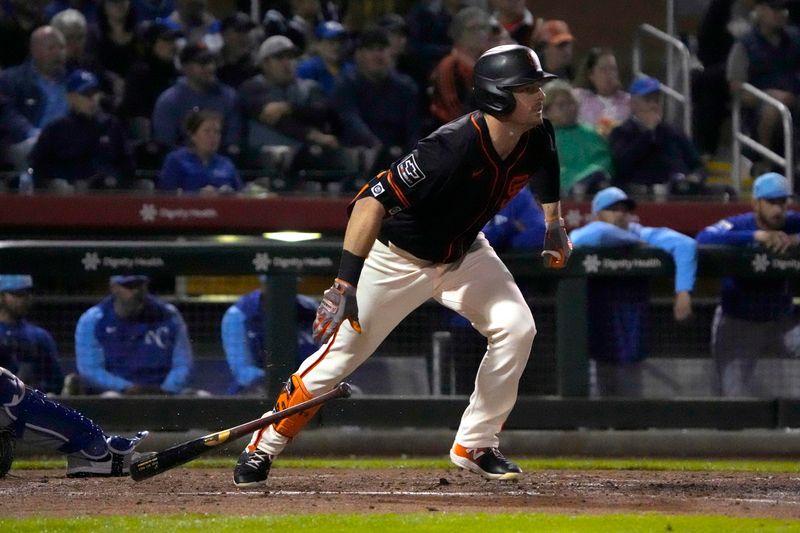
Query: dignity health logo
point(151, 212)
point(93, 260)
point(762, 263)
point(593, 264)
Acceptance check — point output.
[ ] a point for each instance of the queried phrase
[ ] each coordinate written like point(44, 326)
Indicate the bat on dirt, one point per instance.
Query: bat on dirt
point(158, 462)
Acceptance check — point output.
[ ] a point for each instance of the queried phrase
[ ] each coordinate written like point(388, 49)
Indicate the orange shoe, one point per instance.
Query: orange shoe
point(488, 462)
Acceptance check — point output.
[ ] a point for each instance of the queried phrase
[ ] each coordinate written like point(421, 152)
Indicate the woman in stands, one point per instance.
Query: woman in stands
point(603, 103)
point(198, 168)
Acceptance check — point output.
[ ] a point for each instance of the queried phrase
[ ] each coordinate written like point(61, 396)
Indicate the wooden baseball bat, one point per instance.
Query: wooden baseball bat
point(155, 463)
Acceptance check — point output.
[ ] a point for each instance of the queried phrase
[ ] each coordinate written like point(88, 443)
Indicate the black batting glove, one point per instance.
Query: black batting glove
point(557, 247)
point(338, 303)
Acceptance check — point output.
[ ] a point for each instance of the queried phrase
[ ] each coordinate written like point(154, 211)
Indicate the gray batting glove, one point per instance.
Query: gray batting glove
point(338, 303)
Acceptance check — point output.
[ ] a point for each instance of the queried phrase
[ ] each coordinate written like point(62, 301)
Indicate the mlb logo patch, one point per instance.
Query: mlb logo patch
point(377, 189)
point(409, 171)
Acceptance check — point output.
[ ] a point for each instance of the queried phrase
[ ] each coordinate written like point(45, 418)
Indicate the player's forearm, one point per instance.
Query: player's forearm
point(552, 212)
point(363, 227)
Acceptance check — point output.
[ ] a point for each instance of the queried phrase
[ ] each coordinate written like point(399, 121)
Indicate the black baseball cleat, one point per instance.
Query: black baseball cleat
point(252, 469)
point(488, 462)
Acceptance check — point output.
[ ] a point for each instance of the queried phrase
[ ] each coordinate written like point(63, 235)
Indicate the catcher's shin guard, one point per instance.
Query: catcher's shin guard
point(7, 445)
point(293, 392)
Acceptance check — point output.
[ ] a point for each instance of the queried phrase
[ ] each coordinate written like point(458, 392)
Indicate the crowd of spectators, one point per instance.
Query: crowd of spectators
point(300, 93)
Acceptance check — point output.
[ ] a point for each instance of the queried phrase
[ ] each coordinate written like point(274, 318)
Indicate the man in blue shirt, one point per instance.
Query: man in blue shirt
point(618, 307)
point(243, 329)
point(28, 414)
point(133, 343)
point(754, 314)
point(197, 89)
point(26, 349)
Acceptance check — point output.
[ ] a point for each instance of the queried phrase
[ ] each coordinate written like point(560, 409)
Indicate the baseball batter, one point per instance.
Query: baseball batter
point(414, 234)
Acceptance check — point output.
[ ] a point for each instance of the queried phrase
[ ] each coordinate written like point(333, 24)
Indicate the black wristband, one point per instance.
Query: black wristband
point(350, 267)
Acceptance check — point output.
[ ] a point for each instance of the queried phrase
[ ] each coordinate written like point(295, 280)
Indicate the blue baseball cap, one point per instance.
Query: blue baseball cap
point(129, 278)
point(329, 29)
point(770, 186)
point(15, 282)
point(644, 86)
point(610, 196)
point(82, 81)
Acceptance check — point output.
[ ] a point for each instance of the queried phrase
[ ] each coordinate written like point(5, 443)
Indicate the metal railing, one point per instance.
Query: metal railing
point(739, 138)
point(684, 96)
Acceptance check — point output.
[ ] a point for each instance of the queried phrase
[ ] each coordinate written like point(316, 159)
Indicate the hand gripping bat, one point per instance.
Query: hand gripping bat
point(155, 463)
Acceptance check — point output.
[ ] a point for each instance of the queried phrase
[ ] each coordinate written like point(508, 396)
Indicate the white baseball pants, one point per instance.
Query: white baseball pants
point(393, 283)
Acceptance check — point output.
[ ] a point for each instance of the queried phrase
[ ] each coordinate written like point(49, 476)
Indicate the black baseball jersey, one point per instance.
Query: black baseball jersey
point(439, 196)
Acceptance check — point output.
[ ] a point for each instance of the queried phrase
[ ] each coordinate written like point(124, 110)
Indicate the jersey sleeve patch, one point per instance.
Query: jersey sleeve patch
point(409, 171)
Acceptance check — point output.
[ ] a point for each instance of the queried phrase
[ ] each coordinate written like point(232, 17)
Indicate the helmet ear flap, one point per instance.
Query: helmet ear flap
point(495, 102)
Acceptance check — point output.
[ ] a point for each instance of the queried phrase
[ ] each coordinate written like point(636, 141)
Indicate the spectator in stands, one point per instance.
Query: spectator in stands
point(377, 105)
point(237, 63)
point(602, 101)
point(87, 8)
point(198, 167)
point(649, 153)
point(151, 10)
point(26, 349)
point(198, 25)
point(515, 17)
point(618, 310)
point(150, 76)
point(199, 88)
point(283, 109)
point(328, 61)
point(555, 48)
point(116, 44)
point(583, 154)
point(298, 22)
point(132, 343)
point(428, 37)
point(451, 80)
point(756, 313)
point(36, 88)
point(397, 31)
point(722, 23)
point(85, 149)
point(18, 19)
point(15, 145)
point(767, 57)
point(243, 337)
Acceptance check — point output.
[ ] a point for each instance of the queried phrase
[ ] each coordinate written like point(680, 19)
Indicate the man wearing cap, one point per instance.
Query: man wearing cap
point(556, 49)
point(755, 313)
point(153, 74)
point(133, 343)
point(328, 61)
point(377, 106)
point(199, 88)
point(243, 332)
point(767, 57)
point(619, 307)
point(648, 151)
point(84, 149)
point(283, 109)
point(236, 65)
point(26, 349)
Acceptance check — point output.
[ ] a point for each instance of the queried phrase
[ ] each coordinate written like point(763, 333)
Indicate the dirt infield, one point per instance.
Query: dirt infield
point(26, 493)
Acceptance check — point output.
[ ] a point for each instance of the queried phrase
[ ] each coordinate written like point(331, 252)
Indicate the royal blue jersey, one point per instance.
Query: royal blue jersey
point(30, 352)
point(113, 353)
point(243, 336)
point(517, 226)
point(752, 298)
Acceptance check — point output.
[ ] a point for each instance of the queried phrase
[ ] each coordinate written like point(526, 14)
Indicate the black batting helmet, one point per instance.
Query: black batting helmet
point(501, 68)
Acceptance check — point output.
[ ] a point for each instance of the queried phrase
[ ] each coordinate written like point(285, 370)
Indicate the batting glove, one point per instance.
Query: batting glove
point(338, 303)
point(557, 247)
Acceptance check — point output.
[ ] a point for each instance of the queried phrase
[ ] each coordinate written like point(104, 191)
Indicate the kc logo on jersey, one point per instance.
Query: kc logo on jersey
point(409, 171)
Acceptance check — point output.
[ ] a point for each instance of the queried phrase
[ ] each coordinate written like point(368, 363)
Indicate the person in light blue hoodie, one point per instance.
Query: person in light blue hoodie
point(618, 306)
